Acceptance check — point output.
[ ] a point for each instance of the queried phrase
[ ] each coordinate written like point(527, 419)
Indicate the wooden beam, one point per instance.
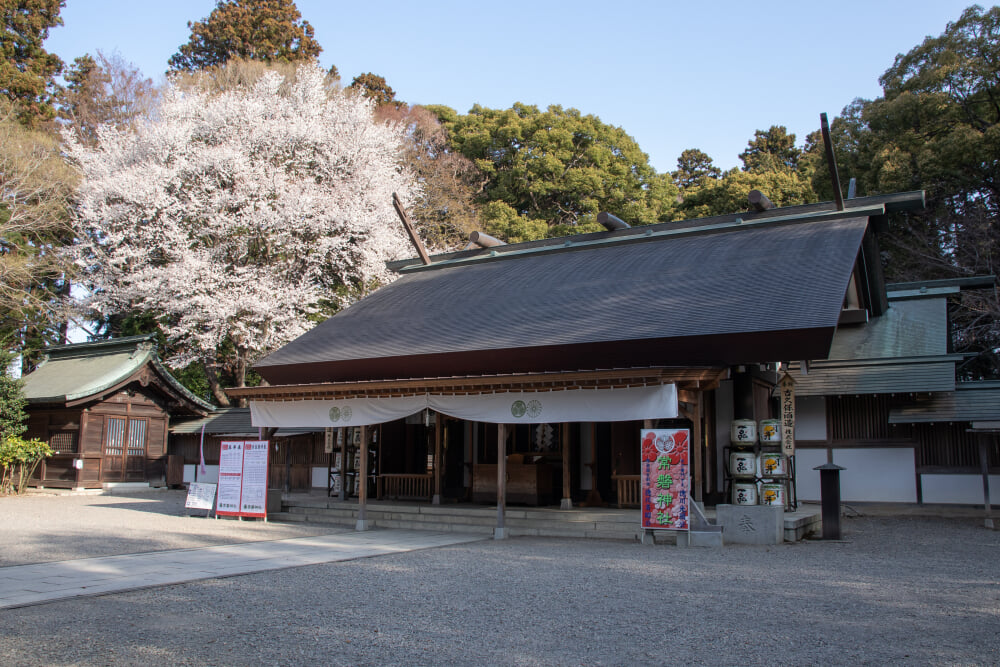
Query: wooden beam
point(472, 384)
point(831, 161)
point(414, 238)
point(500, 532)
point(363, 482)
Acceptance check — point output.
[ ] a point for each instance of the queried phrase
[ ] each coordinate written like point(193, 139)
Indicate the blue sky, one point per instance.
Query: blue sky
point(673, 75)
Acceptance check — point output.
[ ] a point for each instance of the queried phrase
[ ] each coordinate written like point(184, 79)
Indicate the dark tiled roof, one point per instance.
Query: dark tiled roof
point(970, 401)
point(667, 297)
point(903, 376)
point(228, 421)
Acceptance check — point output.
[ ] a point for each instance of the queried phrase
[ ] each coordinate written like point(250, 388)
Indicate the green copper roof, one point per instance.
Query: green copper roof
point(73, 372)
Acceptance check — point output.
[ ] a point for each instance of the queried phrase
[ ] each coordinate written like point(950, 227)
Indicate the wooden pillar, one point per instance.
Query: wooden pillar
point(500, 532)
point(363, 482)
point(698, 453)
point(594, 497)
point(342, 432)
point(984, 466)
point(567, 502)
point(438, 427)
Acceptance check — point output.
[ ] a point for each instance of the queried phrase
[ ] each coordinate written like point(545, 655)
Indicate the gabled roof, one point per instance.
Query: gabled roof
point(720, 291)
point(71, 374)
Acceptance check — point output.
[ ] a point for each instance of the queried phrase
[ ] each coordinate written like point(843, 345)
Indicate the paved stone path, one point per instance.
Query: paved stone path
point(22, 585)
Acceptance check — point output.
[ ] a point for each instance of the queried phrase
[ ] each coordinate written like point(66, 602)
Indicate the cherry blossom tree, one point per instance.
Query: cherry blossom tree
point(236, 215)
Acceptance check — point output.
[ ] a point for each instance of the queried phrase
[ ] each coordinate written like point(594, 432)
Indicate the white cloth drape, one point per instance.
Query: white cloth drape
point(570, 405)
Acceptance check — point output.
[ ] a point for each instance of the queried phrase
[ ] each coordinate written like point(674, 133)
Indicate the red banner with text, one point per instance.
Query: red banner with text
point(666, 478)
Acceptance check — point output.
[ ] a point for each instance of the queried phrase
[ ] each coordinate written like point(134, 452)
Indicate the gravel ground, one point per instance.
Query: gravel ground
point(896, 590)
point(37, 528)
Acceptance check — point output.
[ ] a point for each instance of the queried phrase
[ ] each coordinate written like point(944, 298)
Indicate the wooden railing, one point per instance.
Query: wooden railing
point(410, 487)
point(628, 490)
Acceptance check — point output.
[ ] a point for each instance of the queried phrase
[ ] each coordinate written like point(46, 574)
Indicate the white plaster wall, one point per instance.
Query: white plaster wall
point(810, 418)
point(211, 475)
point(962, 489)
point(807, 479)
point(877, 474)
point(319, 477)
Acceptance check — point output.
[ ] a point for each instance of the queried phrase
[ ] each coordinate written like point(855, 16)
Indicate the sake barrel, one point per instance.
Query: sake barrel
point(772, 494)
point(742, 464)
point(744, 432)
point(744, 493)
point(770, 431)
point(771, 464)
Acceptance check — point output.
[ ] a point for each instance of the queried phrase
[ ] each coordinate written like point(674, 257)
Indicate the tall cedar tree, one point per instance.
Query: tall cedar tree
point(937, 128)
point(267, 30)
point(27, 71)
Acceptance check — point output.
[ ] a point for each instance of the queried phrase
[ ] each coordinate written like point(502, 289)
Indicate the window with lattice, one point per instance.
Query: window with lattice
point(63, 442)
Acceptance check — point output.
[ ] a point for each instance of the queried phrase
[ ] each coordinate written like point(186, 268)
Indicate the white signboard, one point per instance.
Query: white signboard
point(200, 496)
point(230, 478)
point(253, 500)
point(243, 478)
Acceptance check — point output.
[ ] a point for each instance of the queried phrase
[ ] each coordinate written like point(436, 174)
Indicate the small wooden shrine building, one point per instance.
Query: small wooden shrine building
point(551, 355)
point(104, 408)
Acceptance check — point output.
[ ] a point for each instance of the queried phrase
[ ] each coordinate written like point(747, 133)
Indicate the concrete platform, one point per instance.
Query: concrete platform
point(582, 522)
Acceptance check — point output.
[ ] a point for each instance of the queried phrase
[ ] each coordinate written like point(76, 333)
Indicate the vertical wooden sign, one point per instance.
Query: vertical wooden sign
point(786, 387)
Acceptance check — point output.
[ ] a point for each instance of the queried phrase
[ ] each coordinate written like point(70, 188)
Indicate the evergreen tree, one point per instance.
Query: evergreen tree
point(28, 71)
point(266, 30)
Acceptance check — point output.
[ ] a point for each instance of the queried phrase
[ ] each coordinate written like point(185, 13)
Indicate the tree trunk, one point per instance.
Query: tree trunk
point(212, 375)
point(241, 372)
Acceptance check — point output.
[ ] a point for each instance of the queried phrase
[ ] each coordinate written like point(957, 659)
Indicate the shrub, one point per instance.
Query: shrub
point(19, 459)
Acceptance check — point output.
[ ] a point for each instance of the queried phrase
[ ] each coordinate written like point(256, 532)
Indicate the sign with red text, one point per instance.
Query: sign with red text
point(665, 482)
point(243, 478)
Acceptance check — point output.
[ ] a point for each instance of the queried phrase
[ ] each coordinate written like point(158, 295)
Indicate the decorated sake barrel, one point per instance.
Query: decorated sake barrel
point(744, 493)
point(744, 432)
point(770, 431)
point(771, 464)
point(742, 464)
point(772, 494)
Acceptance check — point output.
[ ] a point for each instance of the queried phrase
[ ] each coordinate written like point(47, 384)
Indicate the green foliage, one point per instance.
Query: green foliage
point(937, 128)
point(374, 87)
point(27, 71)
point(556, 167)
point(729, 193)
point(13, 418)
point(267, 30)
point(771, 150)
point(18, 461)
point(693, 168)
